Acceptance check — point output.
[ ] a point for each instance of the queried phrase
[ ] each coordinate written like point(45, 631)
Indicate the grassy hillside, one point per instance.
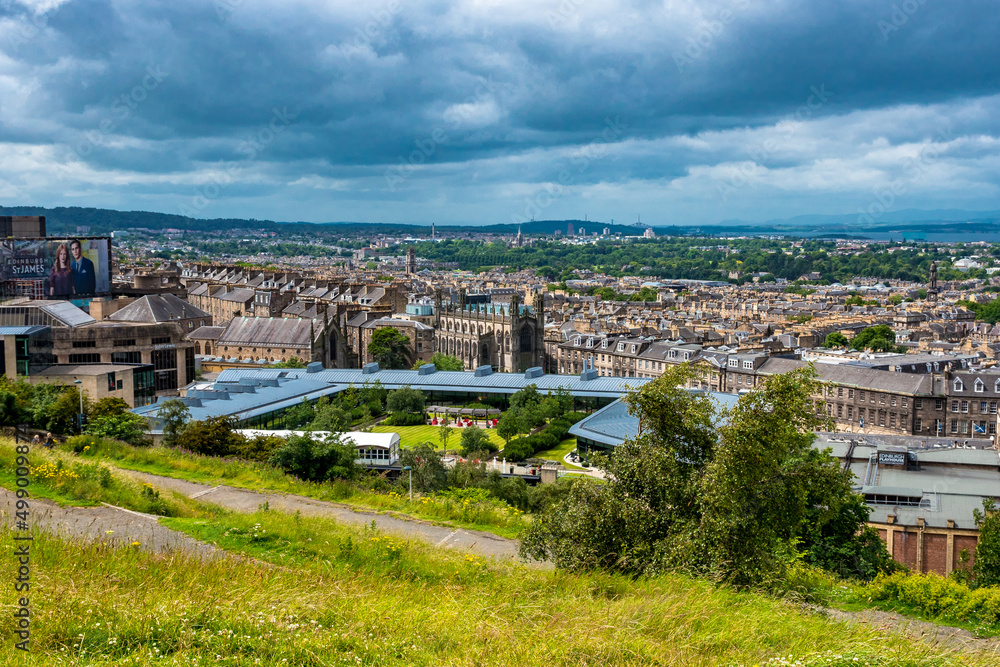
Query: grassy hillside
point(345, 596)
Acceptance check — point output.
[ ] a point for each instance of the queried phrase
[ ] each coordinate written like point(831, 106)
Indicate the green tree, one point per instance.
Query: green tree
point(293, 362)
point(474, 439)
point(429, 473)
point(173, 416)
point(836, 339)
point(444, 433)
point(109, 406)
point(331, 417)
point(986, 568)
point(317, 460)
point(215, 436)
point(406, 400)
point(879, 338)
point(299, 415)
point(390, 348)
point(509, 425)
point(443, 362)
point(729, 502)
point(125, 426)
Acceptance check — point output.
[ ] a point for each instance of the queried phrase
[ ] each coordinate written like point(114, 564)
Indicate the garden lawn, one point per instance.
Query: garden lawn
point(411, 436)
point(558, 452)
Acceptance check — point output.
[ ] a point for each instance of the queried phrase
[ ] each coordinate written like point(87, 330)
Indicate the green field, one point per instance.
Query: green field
point(558, 452)
point(411, 436)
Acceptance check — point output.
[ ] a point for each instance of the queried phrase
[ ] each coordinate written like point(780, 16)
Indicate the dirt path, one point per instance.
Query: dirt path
point(884, 621)
point(245, 500)
point(111, 525)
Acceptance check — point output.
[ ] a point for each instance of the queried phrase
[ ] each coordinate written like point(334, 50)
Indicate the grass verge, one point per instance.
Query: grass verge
point(494, 517)
point(411, 436)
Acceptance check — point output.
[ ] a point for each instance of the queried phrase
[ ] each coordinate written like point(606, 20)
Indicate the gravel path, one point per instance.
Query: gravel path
point(245, 500)
point(111, 525)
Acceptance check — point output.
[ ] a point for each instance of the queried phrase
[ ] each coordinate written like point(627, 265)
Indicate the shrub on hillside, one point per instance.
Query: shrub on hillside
point(574, 417)
point(938, 597)
point(317, 460)
point(125, 426)
point(215, 436)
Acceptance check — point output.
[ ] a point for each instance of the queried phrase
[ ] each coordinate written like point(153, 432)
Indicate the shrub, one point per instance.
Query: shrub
point(574, 417)
point(259, 448)
point(518, 449)
point(938, 597)
point(405, 419)
point(317, 460)
point(215, 436)
point(124, 426)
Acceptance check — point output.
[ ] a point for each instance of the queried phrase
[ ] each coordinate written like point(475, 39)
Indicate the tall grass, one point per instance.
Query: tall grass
point(347, 596)
point(63, 478)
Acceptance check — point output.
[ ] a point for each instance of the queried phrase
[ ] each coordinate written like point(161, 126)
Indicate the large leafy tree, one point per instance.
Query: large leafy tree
point(836, 339)
point(729, 501)
point(406, 400)
point(986, 569)
point(173, 415)
point(317, 460)
point(390, 348)
point(880, 338)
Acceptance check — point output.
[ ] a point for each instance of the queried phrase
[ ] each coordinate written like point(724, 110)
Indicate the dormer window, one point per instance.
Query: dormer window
point(576, 340)
point(958, 385)
point(621, 347)
point(979, 386)
point(734, 363)
point(633, 348)
point(604, 344)
point(590, 342)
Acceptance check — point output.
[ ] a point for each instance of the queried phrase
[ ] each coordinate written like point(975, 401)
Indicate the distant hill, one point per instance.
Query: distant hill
point(65, 220)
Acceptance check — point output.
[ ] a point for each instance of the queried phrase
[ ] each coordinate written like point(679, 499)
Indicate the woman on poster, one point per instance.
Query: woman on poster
point(61, 275)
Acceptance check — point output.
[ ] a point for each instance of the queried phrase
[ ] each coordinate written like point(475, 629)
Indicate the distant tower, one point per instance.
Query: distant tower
point(433, 231)
point(932, 287)
point(569, 229)
point(519, 240)
point(411, 261)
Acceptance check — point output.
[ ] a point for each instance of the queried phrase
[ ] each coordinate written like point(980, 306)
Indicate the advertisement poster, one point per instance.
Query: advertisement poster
point(48, 268)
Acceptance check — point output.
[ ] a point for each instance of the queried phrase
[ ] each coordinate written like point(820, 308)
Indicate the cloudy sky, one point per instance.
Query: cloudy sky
point(485, 111)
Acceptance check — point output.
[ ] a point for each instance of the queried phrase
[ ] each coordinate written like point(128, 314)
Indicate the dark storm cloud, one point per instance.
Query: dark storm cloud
point(507, 92)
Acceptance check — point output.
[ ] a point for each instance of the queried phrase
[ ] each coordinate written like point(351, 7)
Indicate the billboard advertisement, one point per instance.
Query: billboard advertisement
point(50, 268)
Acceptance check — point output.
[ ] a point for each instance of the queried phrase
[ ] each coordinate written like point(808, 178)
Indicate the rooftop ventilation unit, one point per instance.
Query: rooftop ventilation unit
point(426, 369)
point(483, 371)
point(534, 372)
point(269, 382)
point(368, 369)
point(314, 367)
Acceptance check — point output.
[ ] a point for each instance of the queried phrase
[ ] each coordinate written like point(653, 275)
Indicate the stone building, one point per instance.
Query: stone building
point(508, 337)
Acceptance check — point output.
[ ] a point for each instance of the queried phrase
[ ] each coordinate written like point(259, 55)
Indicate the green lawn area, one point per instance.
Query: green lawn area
point(411, 436)
point(558, 452)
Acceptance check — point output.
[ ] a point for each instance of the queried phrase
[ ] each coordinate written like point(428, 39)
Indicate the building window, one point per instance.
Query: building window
point(939, 404)
point(918, 404)
point(92, 358)
point(840, 410)
point(861, 396)
point(958, 384)
point(123, 342)
point(904, 400)
point(84, 343)
point(982, 407)
point(965, 406)
point(979, 386)
point(892, 401)
point(850, 412)
point(954, 406)
point(917, 424)
point(126, 357)
point(892, 419)
point(850, 393)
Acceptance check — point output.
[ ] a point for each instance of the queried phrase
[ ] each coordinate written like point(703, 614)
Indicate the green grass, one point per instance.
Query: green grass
point(558, 453)
point(492, 517)
point(65, 479)
point(346, 596)
point(411, 436)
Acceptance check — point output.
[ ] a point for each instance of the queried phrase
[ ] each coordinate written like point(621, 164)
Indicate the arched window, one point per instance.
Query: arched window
point(526, 339)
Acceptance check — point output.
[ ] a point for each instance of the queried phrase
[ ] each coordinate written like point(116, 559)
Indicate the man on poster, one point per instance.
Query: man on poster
point(84, 278)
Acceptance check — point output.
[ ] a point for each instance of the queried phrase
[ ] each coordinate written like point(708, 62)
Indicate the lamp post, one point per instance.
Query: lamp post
point(411, 481)
point(79, 390)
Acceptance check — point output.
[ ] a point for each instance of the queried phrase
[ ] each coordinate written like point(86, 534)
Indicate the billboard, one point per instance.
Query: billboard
point(51, 268)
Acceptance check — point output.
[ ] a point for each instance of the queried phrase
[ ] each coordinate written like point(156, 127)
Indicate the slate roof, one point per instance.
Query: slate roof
point(286, 331)
point(157, 308)
point(914, 384)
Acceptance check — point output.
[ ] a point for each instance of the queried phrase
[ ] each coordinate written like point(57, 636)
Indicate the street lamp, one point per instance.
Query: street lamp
point(411, 481)
point(79, 390)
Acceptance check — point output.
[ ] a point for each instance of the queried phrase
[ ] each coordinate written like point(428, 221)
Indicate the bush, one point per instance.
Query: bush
point(405, 419)
point(259, 448)
point(574, 417)
point(317, 460)
point(518, 449)
point(938, 597)
point(215, 436)
point(124, 426)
